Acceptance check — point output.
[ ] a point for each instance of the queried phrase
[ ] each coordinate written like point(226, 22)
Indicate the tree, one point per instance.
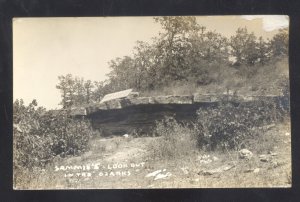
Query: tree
point(207, 54)
point(72, 91)
point(144, 61)
point(122, 75)
point(98, 91)
point(263, 51)
point(183, 51)
point(171, 48)
point(88, 86)
point(79, 96)
point(243, 47)
point(280, 43)
point(63, 87)
point(177, 25)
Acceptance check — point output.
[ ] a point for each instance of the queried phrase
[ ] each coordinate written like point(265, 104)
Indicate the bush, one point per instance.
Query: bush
point(40, 135)
point(68, 136)
point(222, 126)
point(229, 125)
point(174, 139)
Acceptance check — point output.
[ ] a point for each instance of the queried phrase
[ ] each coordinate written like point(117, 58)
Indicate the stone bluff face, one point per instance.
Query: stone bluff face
point(124, 112)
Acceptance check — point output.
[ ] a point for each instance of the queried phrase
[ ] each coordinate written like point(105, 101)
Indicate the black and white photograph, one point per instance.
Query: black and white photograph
point(151, 102)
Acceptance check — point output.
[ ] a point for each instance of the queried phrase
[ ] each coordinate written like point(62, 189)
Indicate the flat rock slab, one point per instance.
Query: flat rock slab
point(128, 98)
point(121, 103)
point(116, 95)
point(217, 170)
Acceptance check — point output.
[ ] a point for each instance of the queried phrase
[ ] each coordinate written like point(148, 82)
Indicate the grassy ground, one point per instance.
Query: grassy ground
point(127, 162)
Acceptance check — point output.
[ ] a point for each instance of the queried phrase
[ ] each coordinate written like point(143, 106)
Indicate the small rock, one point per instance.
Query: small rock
point(215, 158)
point(275, 164)
point(245, 154)
point(287, 134)
point(256, 170)
point(228, 167)
point(263, 158)
point(193, 181)
point(272, 154)
point(126, 135)
point(249, 170)
point(218, 170)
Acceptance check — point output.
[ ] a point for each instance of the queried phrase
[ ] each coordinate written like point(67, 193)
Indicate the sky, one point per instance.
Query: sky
point(45, 48)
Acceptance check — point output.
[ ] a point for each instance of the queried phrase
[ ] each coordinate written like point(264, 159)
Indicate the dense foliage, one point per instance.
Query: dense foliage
point(40, 135)
point(228, 125)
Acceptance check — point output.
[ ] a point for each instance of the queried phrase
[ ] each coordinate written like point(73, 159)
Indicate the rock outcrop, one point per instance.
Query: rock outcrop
point(125, 111)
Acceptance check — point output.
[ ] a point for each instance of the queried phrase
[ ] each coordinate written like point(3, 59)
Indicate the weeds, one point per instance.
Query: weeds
point(174, 140)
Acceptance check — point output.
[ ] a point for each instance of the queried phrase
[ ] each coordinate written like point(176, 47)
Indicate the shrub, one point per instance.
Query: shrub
point(68, 136)
point(29, 148)
point(40, 135)
point(229, 125)
point(222, 126)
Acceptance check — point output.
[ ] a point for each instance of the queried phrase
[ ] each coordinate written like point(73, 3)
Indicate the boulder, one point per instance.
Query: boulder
point(245, 154)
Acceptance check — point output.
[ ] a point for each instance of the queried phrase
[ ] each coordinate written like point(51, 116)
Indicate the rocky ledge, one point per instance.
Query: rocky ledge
point(128, 98)
point(125, 111)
